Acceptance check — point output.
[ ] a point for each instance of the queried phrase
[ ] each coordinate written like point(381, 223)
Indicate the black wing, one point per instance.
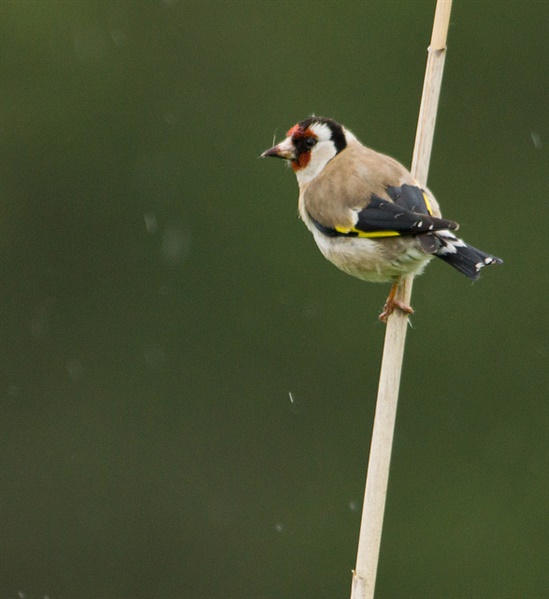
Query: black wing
point(409, 213)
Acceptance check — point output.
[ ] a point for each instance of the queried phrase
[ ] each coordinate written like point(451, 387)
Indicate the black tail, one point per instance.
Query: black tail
point(462, 256)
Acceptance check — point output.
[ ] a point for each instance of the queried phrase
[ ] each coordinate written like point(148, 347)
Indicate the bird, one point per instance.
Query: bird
point(367, 213)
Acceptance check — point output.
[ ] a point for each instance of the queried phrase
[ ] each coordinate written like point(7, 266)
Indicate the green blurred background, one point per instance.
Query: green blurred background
point(188, 387)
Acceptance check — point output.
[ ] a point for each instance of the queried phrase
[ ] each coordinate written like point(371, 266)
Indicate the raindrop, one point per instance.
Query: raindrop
point(175, 244)
point(119, 37)
point(155, 356)
point(151, 223)
point(75, 369)
point(296, 403)
point(170, 118)
point(536, 140)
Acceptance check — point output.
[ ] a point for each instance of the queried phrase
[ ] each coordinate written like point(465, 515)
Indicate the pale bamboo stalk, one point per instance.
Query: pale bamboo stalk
point(364, 575)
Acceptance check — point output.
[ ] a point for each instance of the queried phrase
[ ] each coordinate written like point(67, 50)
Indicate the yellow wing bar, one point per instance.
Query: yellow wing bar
point(352, 232)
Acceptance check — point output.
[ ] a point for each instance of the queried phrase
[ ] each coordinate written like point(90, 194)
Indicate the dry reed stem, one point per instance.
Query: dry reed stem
point(364, 576)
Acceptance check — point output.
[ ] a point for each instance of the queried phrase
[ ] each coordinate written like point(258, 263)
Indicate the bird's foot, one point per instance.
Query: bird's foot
point(393, 304)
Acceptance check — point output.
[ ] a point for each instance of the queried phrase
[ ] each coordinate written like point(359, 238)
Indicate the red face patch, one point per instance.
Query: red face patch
point(297, 133)
point(294, 129)
point(303, 153)
point(301, 162)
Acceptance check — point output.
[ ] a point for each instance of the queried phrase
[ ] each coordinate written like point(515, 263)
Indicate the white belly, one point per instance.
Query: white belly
point(371, 260)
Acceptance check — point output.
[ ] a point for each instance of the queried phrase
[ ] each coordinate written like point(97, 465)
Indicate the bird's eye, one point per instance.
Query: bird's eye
point(310, 142)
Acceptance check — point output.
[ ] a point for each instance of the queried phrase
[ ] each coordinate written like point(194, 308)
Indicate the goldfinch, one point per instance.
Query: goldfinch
point(366, 212)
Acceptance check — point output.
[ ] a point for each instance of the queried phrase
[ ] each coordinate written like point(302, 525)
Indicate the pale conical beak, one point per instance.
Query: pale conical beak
point(284, 150)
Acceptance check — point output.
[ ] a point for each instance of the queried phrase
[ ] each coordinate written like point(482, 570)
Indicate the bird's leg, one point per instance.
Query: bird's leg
point(392, 304)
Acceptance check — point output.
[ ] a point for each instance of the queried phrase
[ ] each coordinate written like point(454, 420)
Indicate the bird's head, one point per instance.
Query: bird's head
point(310, 145)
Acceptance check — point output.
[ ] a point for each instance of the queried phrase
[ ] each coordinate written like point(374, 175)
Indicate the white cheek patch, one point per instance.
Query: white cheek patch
point(321, 154)
point(322, 131)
